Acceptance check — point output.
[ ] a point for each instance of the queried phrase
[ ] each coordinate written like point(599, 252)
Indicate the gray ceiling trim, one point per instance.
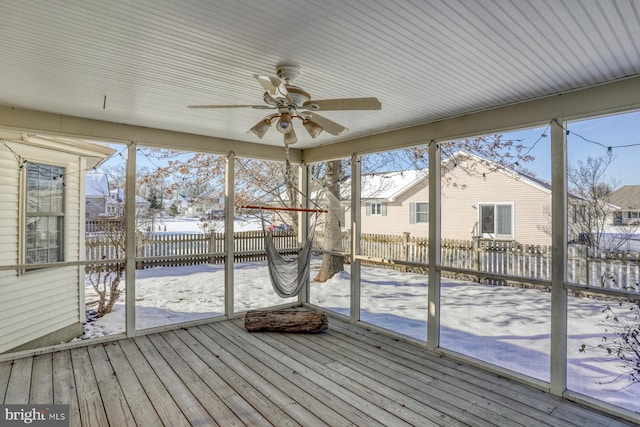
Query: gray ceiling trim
point(51, 124)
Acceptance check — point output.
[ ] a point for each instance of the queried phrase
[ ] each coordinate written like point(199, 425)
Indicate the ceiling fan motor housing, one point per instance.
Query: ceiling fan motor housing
point(288, 73)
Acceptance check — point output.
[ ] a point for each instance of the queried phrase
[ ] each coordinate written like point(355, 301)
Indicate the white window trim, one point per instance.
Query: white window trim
point(370, 211)
point(22, 198)
point(496, 236)
point(413, 212)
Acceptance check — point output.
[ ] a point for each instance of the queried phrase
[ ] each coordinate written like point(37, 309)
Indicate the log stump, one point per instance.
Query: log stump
point(309, 322)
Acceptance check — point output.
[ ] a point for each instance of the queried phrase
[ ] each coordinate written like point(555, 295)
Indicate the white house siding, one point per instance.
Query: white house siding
point(40, 302)
point(459, 215)
point(8, 210)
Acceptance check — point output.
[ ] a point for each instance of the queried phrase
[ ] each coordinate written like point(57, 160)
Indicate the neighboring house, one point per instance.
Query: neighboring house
point(118, 203)
point(479, 200)
point(42, 214)
point(627, 198)
point(98, 198)
point(203, 205)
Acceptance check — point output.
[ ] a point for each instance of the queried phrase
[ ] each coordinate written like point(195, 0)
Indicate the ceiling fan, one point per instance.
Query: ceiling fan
point(292, 102)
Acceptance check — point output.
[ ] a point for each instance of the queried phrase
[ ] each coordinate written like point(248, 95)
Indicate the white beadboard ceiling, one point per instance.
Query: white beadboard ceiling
point(423, 59)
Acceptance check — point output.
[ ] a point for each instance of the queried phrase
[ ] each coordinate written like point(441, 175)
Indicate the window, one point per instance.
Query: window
point(419, 213)
point(377, 209)
point(496, 221)
point(44, 214)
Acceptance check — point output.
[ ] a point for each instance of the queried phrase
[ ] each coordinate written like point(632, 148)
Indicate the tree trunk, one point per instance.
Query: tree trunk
point(331, 264)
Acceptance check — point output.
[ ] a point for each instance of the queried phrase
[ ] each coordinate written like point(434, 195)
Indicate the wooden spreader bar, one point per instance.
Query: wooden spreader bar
point(272, 208)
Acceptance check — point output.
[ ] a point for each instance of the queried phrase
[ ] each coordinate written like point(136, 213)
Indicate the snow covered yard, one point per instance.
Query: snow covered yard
point(505, 326)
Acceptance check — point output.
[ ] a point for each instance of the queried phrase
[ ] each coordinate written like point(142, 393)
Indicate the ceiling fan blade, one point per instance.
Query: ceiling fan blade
point(327, 125)
point(257, 107)
point(343, 104)
point(273, 85)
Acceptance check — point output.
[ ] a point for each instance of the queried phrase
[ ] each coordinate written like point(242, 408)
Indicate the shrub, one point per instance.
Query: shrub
point(622, 326)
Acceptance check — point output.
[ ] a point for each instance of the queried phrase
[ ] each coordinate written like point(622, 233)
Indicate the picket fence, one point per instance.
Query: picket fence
point(605, 269)
point(170, 250)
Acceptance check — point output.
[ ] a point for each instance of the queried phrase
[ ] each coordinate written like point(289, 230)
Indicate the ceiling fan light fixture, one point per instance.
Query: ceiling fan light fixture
point(285, 125)
point(261, 128)
point(290, 137)
point(313, 128)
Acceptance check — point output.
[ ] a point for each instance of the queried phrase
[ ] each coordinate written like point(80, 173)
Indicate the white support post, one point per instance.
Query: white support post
point(433, 315)
point(355, 238)
point(130, 241)
point(303, 222)
point(229, 193)
point(559, 238)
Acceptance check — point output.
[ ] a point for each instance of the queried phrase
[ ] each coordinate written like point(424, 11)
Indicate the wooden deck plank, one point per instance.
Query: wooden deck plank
point(42, 383)
point(487, 380)
point(285, 377)
point(90, 406)
point(165, 406)
point(499, 407)
point(325, 404)
point(19, 382)
point(368, 402)
point(473, 401)
point(215, 406)
point(392, 387)
point(531, 403)
point(116, 406)
point(289, 413)
point(64, 386)
point(219, 373)
point(239, 411)
point(424, 400)
point(5, 373)
point(583, 417)
point(141, 407)
point(186, 401)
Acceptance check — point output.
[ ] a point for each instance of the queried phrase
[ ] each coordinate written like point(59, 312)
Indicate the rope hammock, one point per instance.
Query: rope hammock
point(291, 273)
point(288, 274)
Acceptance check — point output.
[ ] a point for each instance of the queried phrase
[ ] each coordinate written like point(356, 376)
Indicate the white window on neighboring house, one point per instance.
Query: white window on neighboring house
point(377, 209)
point(44, 229)
point(419, 212)
point(496, 220)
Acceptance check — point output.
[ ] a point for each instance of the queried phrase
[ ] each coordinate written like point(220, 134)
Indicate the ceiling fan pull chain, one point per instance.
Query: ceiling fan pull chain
point(287, 163)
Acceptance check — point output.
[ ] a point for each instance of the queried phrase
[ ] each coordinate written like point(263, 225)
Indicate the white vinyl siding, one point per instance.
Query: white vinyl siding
point(40, 302)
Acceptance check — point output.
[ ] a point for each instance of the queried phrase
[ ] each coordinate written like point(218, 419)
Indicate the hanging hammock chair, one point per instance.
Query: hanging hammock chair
point(288, 274)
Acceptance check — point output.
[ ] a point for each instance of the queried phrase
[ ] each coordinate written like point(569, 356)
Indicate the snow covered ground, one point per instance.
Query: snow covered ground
point(505, 326)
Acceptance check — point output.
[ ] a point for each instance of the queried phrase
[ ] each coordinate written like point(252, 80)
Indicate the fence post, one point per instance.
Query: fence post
point(212, 246)
point(476, 254)
point(582, 274)
point(405, 247)
point(139, 264)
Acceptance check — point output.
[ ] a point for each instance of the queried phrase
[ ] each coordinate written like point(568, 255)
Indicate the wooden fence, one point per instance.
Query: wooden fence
point(169, 250)
point(618, 270)
point(614, 270)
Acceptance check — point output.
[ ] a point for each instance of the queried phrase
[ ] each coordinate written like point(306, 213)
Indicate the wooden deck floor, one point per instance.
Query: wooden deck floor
point(218, 374)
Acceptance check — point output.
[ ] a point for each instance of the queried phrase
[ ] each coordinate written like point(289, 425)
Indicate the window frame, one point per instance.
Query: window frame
point(496, 221)
point(414, 213)
point(57, 173)
point(379, 210)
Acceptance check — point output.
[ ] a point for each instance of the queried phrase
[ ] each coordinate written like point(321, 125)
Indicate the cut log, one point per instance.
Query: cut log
point(310, 322)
